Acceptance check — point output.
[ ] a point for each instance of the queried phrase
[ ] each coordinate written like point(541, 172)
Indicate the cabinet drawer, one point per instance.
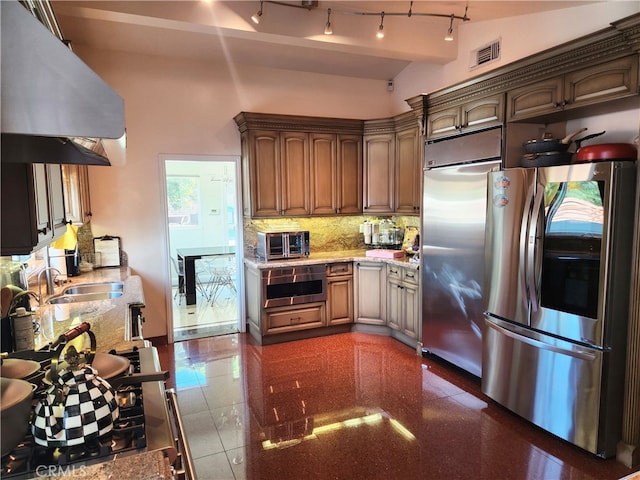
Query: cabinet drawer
point(394, 272)
point(285, 319)
point(345, 268)
point(411, 276)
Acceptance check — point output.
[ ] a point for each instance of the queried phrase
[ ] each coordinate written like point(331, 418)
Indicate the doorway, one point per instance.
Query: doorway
point(204, 246)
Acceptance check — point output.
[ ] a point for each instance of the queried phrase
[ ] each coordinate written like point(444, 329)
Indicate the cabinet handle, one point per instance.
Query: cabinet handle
point(295, 320)
point(411, 275)
point(43, 231)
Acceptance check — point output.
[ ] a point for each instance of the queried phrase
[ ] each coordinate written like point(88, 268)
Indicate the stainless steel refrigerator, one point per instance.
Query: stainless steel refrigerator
point(452, 234)
point(558, 273)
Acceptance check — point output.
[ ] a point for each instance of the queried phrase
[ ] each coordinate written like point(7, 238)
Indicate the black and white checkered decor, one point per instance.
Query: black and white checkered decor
point(80, 406)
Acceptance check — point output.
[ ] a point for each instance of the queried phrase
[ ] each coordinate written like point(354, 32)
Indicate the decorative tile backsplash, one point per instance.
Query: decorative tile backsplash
point(326, 234)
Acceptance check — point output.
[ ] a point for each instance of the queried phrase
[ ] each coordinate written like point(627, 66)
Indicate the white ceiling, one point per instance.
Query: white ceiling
point(287, 37)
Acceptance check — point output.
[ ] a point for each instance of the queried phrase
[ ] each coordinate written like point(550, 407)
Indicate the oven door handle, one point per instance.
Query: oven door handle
point(187, 461)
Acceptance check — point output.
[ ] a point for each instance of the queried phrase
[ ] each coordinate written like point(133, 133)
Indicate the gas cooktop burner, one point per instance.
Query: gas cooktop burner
point(128, 433)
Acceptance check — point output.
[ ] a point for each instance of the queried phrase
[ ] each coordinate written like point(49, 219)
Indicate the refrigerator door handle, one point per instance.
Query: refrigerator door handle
point(532, 247)
point(581, 353)
point(522, 264)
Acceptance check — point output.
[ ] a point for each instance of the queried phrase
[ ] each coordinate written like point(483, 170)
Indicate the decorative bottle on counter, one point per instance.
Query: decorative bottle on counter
point(22, 326)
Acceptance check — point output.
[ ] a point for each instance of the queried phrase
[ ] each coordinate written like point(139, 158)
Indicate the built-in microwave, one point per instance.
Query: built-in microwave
point(282, 245)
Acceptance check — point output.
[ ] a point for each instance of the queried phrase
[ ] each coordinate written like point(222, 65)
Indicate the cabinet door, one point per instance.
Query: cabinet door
point(43, 221)
point(324, 173)
point(72, 193)
point(265, 178)
point(349, 178)
point(56, 199)
point(339, 300)
point(411, 317)
point(248, 179)
point(19, 233)
point(379, 172)
point(537, 99)
point(294, 149)
point(395, 302)
point(443, 122)
point(603, 82)
point(370, 287)
point(408, 172)
point(483, 112)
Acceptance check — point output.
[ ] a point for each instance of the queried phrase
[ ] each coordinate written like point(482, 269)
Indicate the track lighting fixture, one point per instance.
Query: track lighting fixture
point(449, 36)
point(255, 18)
point(327, 28)
point(380, 33)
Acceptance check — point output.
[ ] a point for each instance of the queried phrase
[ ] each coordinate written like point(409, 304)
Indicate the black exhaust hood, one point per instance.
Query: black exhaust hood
point(34, 149)
point(53, 105)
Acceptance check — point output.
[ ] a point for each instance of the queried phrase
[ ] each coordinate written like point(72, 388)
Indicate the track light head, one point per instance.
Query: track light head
point(328, 30)
point(449, 36)
point(255, 18)
point(380, 33)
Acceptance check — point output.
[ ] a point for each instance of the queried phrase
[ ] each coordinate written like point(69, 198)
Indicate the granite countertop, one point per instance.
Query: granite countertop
point(108, 318)
point(331, 257)
point(147, 466)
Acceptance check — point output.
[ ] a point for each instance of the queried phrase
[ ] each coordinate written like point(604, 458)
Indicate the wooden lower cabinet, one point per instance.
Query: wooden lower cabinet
point(403, 300)
point(370, 284)
point(289, 319)
point(339, 293)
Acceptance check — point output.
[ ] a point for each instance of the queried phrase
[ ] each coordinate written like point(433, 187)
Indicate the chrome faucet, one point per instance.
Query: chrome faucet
point(49, 279)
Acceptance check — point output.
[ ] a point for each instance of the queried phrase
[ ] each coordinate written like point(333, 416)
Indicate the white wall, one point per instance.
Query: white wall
point(176, 107)
point(520, 37)
point(182, 107)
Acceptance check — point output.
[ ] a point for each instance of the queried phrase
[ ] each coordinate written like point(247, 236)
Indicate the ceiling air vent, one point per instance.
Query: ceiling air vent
point(485, 54)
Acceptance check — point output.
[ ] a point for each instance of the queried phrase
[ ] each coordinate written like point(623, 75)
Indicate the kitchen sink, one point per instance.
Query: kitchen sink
point(84, 297)
point(94, 288)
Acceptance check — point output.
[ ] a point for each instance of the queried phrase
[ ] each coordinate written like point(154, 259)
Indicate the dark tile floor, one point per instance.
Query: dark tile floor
point(354, 406)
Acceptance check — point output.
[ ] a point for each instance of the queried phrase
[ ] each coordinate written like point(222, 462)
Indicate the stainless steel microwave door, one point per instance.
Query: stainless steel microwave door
point(510, 197)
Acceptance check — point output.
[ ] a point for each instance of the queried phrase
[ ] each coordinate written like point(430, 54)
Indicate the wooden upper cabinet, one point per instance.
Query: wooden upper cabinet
point(349, 174)
point(33, 209)
point(599, 83)
point(265, 176)
point(324, 173)
point(379, 173)
point(479, 113)
point(77, 200)
point(537, 99)
point(302, 166)
point(408, 172)
point(56, 199)
point(294, 147)
point(336, 174)
point(615, 79)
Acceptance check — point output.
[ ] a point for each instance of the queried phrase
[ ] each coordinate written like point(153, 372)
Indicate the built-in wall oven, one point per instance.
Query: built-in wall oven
point(294, 285)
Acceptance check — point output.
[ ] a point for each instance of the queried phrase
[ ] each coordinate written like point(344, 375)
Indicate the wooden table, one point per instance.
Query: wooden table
point(187, 268)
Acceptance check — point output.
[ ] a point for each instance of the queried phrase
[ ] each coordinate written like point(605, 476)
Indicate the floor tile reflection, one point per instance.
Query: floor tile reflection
point(354, 406)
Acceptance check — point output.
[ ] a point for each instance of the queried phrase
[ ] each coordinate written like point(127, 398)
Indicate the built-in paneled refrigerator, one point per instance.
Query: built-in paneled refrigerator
point(453, 240)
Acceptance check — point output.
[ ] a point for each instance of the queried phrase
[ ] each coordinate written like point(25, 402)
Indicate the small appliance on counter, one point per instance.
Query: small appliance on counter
point(282, 245)
point(382, 234)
